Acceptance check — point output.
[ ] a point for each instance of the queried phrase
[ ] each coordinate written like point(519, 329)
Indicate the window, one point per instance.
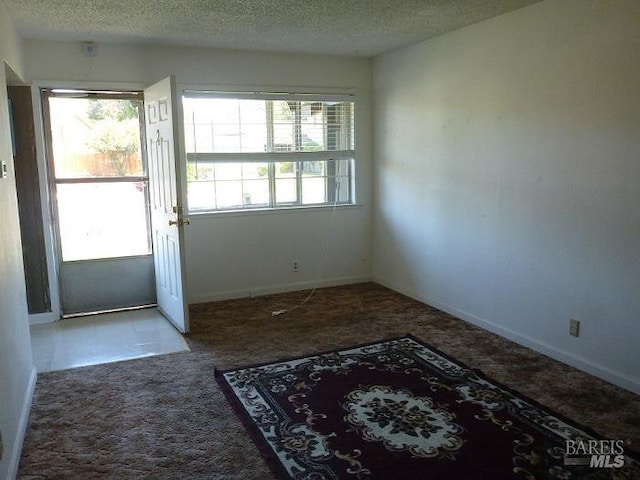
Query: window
point(271, 151)
point(98, 173)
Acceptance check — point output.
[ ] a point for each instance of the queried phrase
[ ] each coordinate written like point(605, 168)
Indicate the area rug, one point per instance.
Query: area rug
point(400, 409)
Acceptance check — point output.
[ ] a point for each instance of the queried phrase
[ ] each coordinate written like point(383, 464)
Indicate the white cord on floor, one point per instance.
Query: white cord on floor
point(330, 239)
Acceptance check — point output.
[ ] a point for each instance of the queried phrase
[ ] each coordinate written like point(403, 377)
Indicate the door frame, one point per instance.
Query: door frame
point(66, 287)
point(51, 254)
point(29, 199)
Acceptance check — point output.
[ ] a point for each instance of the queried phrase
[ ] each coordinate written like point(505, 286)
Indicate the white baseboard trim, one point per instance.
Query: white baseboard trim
point(16, 450)
point(271, 290)
point(580, 363)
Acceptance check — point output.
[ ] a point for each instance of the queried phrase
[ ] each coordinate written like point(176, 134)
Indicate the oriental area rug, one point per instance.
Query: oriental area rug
point(400, 409)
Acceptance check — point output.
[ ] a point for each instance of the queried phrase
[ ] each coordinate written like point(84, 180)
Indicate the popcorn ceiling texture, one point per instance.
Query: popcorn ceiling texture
point(344, 27)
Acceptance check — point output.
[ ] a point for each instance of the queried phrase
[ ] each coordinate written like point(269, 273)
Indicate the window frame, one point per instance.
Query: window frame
point(54, 180)
point(336, 161)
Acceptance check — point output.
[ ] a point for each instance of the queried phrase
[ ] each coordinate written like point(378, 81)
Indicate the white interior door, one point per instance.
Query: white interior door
point(166, 197)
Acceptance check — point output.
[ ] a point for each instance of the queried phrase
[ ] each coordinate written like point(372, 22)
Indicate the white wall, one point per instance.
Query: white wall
point(17, 373)
point(507, 158)
point(230, 255)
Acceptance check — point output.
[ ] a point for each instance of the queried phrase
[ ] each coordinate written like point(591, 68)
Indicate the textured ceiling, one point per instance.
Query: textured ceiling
point(348, 27)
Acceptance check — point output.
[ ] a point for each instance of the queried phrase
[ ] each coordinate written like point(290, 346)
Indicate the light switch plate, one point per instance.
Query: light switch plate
point(3, 169)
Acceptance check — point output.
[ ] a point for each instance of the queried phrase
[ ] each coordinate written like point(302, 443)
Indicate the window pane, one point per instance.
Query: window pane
point(255, 170)
point(212, 186)
point(283, 127)
point(314, 169)
point(314, 182)
point(228, 125)
point(313, 190)
point(102, 220)
point(224, 125)
point(313, 126)
point(255, 185)
point(341, 181)
point(255, 193)
point(326, 126)
point(343, 190)
point(229, 194)
point(286, 191)
point(202, 195)
point(200, 171)
point(228, 171)
point(339, 125)
point(95, 137)
point(285, 169)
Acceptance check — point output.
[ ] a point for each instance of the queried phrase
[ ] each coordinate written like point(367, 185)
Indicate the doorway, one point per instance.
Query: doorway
point(99, 184)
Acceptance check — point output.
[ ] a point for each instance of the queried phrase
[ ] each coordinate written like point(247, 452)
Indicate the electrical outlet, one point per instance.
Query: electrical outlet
point(574, 327)
point(295, 266)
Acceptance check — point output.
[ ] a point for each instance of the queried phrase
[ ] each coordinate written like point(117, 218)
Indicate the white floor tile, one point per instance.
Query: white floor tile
point(104, 338)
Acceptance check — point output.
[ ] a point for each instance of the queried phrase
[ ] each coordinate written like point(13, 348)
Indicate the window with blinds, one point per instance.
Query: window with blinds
point(251, 151)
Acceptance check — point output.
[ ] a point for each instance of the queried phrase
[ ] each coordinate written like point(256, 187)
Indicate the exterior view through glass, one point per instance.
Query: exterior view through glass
point(99, 174)
point(247, 152)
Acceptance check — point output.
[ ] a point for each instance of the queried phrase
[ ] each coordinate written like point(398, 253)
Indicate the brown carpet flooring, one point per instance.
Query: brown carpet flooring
point(165, 417)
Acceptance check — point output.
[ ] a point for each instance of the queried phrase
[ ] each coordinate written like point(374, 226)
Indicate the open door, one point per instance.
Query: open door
point(166, 198)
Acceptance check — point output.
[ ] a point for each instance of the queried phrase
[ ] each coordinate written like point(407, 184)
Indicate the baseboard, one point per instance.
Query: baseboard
point(16, 450)
point(580, 363)
point(41, 318)
point(271, 290)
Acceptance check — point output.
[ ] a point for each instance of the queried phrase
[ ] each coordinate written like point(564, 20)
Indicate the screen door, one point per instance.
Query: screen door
point(99, 183)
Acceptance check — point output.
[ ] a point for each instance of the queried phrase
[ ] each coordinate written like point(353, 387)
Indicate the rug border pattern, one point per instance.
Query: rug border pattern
point(280, 470)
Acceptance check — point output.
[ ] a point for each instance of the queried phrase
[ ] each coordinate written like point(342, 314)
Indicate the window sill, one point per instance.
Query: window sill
point(273, 211)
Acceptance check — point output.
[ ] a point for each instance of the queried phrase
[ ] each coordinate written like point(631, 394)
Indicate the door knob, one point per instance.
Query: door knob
point(179, 222)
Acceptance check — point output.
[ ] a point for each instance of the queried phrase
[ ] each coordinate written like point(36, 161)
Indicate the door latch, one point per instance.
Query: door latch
point(179, 222)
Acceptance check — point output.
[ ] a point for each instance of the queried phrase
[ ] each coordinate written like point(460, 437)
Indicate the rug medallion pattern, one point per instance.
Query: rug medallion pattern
point(400, 409)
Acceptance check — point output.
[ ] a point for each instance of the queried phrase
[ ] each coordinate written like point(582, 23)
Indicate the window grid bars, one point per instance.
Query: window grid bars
point(338, 132)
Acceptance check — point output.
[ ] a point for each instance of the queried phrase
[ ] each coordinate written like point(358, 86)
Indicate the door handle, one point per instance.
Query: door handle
point(180, 222)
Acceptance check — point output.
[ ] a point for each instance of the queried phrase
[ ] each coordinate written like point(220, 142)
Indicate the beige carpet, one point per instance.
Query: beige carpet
point(165, 417)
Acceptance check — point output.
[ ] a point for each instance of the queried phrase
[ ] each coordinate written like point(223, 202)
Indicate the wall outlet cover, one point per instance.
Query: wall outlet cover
point(574, 327)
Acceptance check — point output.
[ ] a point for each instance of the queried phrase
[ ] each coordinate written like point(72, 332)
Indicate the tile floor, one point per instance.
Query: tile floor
point(104, 338)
